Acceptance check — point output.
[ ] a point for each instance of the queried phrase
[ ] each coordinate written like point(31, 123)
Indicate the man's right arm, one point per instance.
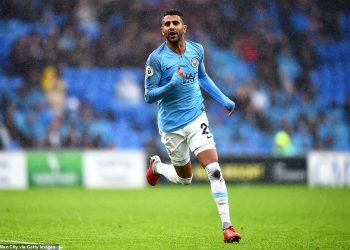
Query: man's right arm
point(153, 92)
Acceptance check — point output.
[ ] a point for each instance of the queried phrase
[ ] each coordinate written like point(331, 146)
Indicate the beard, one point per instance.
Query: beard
point(174, 37)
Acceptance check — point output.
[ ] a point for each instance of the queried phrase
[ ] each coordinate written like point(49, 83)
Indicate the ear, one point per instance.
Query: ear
point(161, 30)
point(185, 28)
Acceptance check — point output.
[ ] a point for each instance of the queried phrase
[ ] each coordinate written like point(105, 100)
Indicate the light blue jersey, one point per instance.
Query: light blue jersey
point(180, 101)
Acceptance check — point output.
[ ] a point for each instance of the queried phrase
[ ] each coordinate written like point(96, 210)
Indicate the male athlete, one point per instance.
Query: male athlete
point(174, 74)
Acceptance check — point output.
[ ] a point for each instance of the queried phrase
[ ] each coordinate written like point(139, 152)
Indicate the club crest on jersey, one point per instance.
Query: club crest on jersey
point(149, 71)
point(194, 62)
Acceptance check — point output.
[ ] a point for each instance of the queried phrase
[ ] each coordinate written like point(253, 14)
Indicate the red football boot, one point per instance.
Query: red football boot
point(231, 236)
point(151, 177)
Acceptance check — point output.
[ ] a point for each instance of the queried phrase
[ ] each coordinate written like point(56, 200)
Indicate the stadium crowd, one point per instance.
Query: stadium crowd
point(286, 64)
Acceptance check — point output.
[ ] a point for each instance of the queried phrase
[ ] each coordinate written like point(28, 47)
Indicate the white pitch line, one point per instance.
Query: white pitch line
point(21, 242)
point(24, 242)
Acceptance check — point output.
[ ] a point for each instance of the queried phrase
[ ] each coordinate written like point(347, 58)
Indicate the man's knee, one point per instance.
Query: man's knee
point(214, 171)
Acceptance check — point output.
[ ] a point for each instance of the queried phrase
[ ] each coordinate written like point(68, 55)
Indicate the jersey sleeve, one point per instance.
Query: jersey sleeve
point(209, 86)
point(152, 77)
point(153, 91)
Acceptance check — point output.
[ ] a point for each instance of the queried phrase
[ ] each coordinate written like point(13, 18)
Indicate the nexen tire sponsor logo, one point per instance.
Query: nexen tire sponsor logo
point(190, 78)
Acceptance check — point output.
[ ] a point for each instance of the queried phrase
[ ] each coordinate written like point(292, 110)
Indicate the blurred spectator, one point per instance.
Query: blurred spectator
point(288, 68)
point(128, 90)
point(53, 137)
point(347, 112)
point(5, 140)
point(73, 137)
point(247, 49)
point(16, 134)
point(19, 56)
point(258, 96)
point(86, 15)
point(284, 139)
point(54, 87)
point(83, 54)
point(67, 42)
point(283, 144)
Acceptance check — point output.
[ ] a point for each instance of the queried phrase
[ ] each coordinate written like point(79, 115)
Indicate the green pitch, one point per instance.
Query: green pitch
point(177, 217)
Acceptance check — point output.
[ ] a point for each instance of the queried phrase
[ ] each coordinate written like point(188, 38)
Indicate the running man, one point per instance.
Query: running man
point(174, 74)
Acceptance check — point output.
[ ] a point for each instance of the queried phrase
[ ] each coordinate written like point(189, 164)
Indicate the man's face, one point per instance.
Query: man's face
point(173, 28)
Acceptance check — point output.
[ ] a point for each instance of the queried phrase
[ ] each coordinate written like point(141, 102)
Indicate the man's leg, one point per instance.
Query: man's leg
point(175, 174)
point(209, 161)
point(181, 169)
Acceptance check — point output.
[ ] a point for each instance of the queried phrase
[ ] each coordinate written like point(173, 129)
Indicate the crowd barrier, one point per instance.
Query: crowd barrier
point(258, 169)
point(91, 169)
point(126, 169)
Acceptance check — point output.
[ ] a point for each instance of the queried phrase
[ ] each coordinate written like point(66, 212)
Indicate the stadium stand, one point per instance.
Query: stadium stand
point(285, 63)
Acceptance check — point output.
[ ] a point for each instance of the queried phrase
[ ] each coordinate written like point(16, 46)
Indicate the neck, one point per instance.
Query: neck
point(178, 47)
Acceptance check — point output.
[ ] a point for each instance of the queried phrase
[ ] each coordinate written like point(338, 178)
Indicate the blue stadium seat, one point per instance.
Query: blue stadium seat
point(96, 85)
point(325, 85)
point(6, 42)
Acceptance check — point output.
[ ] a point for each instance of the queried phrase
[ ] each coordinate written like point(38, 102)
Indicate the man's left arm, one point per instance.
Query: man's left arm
point(209, 86)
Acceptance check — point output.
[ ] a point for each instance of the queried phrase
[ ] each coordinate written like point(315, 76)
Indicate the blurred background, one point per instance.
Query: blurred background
point(72, 73)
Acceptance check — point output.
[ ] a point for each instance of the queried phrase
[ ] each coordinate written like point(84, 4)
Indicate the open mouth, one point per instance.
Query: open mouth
point(172, 34)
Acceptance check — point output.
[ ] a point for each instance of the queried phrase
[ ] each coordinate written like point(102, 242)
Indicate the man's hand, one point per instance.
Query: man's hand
point(181, 72)
point(230, 106)
point(177, 78)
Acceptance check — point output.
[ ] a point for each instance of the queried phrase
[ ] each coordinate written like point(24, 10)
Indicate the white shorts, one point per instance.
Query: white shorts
point(196, 137)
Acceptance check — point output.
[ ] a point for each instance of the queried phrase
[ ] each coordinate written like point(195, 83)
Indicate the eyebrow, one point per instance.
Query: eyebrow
point(175, 22)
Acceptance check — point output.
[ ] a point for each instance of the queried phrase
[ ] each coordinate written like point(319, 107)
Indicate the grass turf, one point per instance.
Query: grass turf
point(177, 217)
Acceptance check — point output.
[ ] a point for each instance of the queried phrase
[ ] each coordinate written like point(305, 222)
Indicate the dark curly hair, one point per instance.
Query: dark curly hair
point(174, 13)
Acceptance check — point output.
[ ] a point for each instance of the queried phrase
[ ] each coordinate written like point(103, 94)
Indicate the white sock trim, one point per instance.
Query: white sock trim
point(185, 181)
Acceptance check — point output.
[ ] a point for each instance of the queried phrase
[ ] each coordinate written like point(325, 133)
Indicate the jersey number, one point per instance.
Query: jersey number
point(205, 129)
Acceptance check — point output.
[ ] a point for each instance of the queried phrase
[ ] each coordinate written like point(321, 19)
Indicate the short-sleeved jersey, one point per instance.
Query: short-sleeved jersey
point(183, 103)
